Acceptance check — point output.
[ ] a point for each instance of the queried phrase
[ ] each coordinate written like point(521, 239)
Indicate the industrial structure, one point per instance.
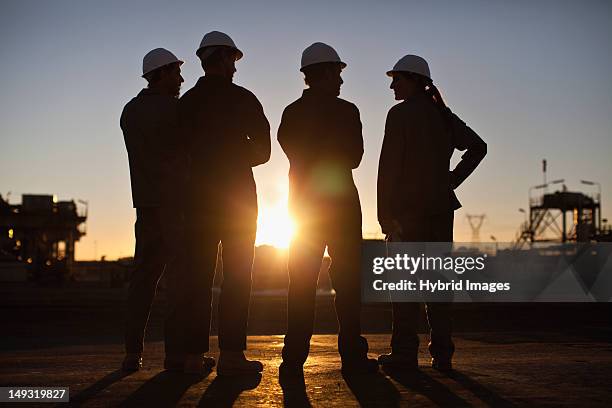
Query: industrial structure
point(41, 232)
point(475, 222)
point(563, 216)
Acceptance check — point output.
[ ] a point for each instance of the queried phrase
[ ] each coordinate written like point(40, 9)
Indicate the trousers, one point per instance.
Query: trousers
point(404, 338)
point(237, 239)
point(343, 241)
point(153, 257)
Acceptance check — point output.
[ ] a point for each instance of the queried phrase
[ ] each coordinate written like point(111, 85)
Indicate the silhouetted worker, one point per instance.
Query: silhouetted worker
point(321, 135)
point(416, 200)
point(150, 129)
point(226, 133)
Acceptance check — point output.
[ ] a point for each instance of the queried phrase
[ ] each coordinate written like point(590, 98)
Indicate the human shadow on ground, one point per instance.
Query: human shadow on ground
point(223, 391)
point(486, 395)
point(163, 390)
point(95, 388)
point(373, 389)
point(294, 390)
point(419, 382)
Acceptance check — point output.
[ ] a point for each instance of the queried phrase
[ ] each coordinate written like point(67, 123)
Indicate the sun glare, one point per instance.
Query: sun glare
point(274, 225)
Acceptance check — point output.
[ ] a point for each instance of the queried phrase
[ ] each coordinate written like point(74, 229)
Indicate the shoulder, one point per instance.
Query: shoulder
point(294, 108)
point(348, 106)
point(410, 108)
point(244, 93)
point(126, 113)
point(130, 105)
point(131, 109)
point(187, 96)
point(398, 110)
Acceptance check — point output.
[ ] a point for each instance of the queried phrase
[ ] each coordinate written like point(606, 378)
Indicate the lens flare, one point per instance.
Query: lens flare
point(274, 224)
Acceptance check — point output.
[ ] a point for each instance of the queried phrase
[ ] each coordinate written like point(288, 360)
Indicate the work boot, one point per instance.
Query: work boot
point(362, 365)
point(235, 363)
point(399, 361)
point(131, 362)
point(442, 364)
point(198, 364)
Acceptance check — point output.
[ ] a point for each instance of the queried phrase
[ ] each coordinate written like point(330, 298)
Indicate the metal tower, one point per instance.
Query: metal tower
point(475, 222)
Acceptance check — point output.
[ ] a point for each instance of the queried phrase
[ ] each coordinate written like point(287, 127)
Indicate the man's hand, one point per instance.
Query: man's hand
point(391, 227)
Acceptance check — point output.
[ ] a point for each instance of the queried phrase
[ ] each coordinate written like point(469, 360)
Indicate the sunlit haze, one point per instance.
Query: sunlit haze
point(274, 224)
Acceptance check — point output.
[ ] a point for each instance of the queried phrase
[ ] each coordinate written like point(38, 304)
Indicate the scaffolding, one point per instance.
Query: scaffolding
point(562, 216)
point(42, 232)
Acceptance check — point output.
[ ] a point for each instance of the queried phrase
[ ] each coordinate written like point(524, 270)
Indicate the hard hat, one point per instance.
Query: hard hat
point(320, 52)
point(158, 58)
point(413, 64)
point(211, 41)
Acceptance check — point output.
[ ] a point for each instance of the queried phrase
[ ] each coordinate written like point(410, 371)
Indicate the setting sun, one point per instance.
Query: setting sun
point(274, 225)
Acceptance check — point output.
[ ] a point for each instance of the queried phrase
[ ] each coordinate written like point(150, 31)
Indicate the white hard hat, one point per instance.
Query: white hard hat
point(158, 58)
point(413, 64)
point(211, 41)
point(320, 52)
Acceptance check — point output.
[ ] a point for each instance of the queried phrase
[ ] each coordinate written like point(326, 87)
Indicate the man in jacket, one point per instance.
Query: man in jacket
point(321, 135)
point(149, 125)
point(226, 133)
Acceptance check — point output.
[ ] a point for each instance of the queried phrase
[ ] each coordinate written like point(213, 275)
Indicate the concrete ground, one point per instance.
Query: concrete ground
point(492, 369)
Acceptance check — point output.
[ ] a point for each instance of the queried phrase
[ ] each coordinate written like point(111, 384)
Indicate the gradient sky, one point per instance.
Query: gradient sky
point(532, 78)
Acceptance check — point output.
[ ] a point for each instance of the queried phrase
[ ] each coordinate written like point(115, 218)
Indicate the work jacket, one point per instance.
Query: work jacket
point(225, 133)
point(149, 125)
point(321, 136)
point(414, 181)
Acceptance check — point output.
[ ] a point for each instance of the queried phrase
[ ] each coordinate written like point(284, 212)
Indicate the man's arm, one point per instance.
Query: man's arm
point(291, 137)
point(258, 133)
point(464, 138)
point(175, 159)
point(390, 166)
point(354, 143)
point(283, 135)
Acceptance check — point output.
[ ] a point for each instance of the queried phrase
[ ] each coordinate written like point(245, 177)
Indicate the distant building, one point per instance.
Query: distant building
point(41, 233)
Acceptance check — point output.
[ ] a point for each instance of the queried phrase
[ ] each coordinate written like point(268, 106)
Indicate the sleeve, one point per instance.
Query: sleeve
point(390, 164)
point(464, 138)
point(175, 160)
point(354, 142)
point(284, 136)
point(258, 132)
point(293, 137)
point(185, 127)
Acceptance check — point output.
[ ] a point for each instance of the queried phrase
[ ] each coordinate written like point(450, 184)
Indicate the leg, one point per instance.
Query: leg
point(345, 251)
point(237, 250)
point(439, 318)
point(404, 340)
point(304, 263)
point(194, 305)
point(441, 346)
point(149, 259)
point(174, 241)
point(174, 326)
point(238, 242)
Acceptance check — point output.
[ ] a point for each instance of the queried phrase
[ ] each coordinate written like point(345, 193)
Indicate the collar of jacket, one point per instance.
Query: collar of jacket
point(416, 98)
point(213, 79)
point(313, 93)
point(148, 91)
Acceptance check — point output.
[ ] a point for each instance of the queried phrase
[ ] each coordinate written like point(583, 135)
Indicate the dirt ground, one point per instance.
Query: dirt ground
point(507, 355)
point(502, 369)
